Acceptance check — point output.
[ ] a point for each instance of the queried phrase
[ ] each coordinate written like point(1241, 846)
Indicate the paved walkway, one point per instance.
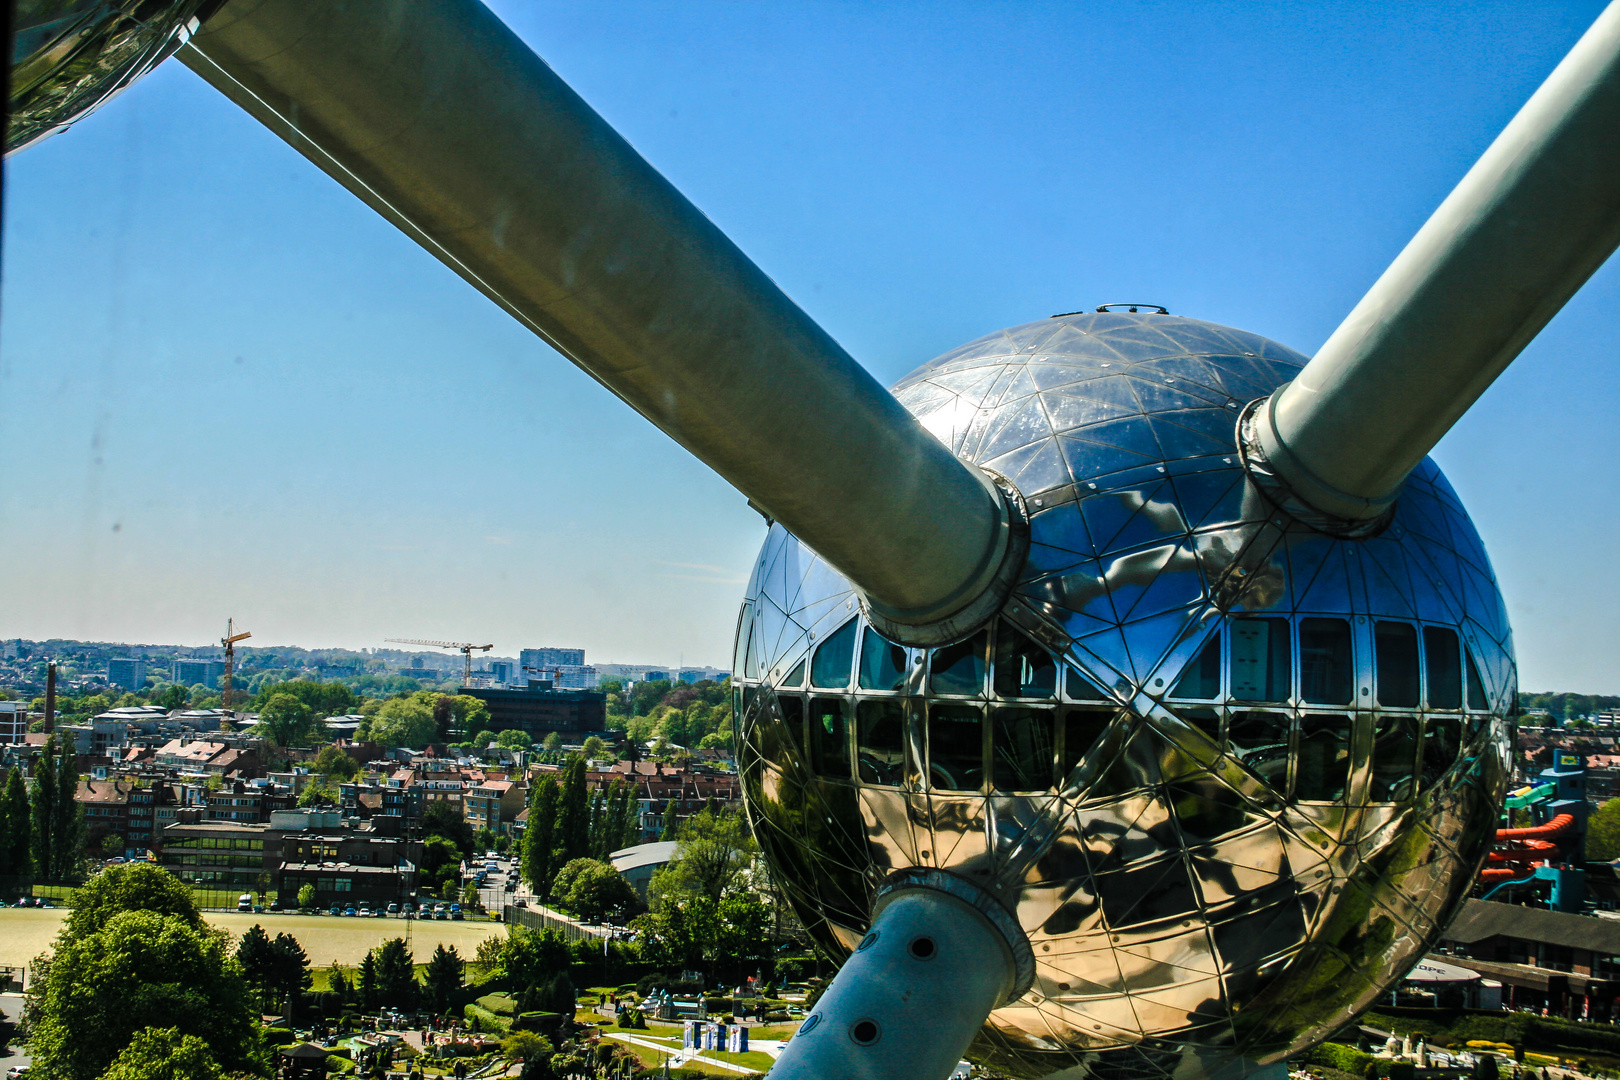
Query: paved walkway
point(677, 1056)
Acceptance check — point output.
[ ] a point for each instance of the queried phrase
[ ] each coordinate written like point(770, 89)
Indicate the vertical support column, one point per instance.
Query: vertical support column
point(909, 1000)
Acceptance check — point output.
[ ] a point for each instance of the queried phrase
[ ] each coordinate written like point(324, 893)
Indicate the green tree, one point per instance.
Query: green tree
point(164, 1054)
point(67, 826)
point(443, 976)
point(142, 970)
point(171, 697)
point(396, 975)
point(16, 828)
point(712, 859)
point(253, 952)
point(513, 739)
point(403, 722)
point(112, 845)
point(671, 821)
point(442, 819)
point(285, 721)
point(334, 763)
point(539, 836)
point(595, 747)
point(595, 891)
point(137, 886)
point(43, 815)
point(306, 895)
point(1603, 832)
point(289, 969)
point(526, 1046)
point(552, 742)
point(573, 837)
point(366, 985)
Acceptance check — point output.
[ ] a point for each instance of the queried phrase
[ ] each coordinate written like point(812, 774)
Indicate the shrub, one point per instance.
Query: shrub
point(279, 1036)
point(1338, 1056)
point(485, 1021)
point(336, 1063)
point(501, 1004)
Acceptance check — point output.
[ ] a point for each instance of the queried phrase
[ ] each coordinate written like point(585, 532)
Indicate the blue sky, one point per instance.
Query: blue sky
point(228, 389)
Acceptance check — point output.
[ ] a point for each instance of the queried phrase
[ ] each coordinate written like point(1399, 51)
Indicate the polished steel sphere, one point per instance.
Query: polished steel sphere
point(1229, 775)
point(69, 57)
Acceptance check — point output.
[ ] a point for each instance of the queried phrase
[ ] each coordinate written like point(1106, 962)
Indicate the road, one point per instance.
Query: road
point(12, 1006)
point(27, 932)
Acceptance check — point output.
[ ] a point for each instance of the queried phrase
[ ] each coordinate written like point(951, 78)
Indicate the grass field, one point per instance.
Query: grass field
point(27, 932)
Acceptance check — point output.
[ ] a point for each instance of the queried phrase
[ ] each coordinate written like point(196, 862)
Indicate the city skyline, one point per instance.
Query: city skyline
point(230, 389)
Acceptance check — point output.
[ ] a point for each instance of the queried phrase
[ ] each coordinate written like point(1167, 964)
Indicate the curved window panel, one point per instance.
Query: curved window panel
point(1204, 719)
point(1022, 749)
point(1259, 739)
point(796, 676)
point(1476, 688)
point(1395, 748)
point(1327, 670)
point(745, 632)
point(1442, 739)
point(1396, 652)
point(1260, 667)
point(1076, 687)
point(1324, 758)
point(955, 747)
point(1023, 669)
point(959, 668)
point(829, 738)
point(1442, 658)
point(1201, 681)
point(1083, 727)
point(883, 663)
point(829, 669)
point(880, 741)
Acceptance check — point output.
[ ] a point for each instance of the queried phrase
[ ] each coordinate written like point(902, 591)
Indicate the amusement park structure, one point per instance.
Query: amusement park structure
point(1123, 694)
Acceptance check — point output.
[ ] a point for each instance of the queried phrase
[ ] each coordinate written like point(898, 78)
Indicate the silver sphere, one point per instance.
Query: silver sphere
point(1229, 775)
point(70, 57)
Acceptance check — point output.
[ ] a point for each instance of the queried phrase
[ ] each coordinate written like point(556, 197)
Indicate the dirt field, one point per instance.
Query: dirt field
point(27, 932)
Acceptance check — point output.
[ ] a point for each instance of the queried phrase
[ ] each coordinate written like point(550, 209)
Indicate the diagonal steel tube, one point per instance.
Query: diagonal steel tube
point(437, 116)
point(1530, 222)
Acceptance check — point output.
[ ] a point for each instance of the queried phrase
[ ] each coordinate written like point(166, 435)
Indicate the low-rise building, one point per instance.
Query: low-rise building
point(349, 866)
point(494, 805)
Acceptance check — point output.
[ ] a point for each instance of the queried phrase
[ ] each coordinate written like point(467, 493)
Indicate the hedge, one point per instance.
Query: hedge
point(279, 1036)
point(497, 1003)
point(1333, 1055)
point(485, 1021)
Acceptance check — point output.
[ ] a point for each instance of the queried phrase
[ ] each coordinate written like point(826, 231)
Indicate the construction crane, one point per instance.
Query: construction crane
point(229, 641)
point(464, 647)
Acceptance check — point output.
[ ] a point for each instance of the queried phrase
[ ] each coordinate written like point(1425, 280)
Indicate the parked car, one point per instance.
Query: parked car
point(245, 901)
point(334, 910)
point(455, 912)
point(275, 905)
point(348, 909)
point(520, 902)
point(393, 909)
point(365, 911)
point(16, 1072)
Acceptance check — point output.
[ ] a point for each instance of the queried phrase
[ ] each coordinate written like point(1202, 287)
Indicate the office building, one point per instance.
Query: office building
point(550, 658)
point(127, 672)
point(543, 708)
point(192, 672)
point(13, 721)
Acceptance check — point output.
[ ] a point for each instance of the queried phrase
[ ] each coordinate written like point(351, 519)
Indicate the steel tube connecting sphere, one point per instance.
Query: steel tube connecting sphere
point(1229, 775)
point(443, 121)
point(1532, 220)
point(910, 998)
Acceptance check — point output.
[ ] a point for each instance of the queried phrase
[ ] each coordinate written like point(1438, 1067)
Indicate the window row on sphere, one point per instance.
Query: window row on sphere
point(1023, 721)
point(1413, 666)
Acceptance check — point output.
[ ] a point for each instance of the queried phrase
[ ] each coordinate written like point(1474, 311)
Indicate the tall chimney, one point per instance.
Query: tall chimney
point(50, 697)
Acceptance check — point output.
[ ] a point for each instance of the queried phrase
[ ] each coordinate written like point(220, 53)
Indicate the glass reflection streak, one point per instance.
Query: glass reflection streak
point(1174, 757)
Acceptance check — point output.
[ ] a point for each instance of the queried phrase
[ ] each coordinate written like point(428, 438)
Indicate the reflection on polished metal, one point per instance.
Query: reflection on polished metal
point(1035, 651)
point(1230, 775)
point(444, 122)
point(1532, 220)
point(69, 57)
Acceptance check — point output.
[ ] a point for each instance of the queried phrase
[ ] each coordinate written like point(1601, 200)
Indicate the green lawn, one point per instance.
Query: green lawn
point(757, 1060)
